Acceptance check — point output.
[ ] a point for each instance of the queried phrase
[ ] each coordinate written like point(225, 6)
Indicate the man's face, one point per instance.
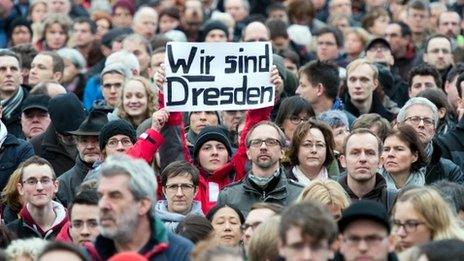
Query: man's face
point(230, 119)
point(236, 9)
point(418, 20)
point(38, 186)
point(42, 70)
point(341, 7)
point(254, 219)
point(146, 25)
point(216, 36)
point(361, 83)
point(395, 38)
point(118, 144)
point(449, 24)
point(111, 87)
point(362, 157)
point(365, 240)
point(306, 89)
point(438, 53)
point(256, 32)
point(84, 223)
point(34, 122)
point(179, 192)
point(420, 117)
point(82, 34)
point(379, 53)
point(70, 71)
point(300, 247)
point(10, 74)
point(89, 148)
point(138, 49)
point(167, 23)
point(201, 119)
point(420, 83)
point(264, 156)
point(156, 60)
point(59, 6)
point(20, 35)
point(119, 211)
point(279, 14)
point(327, 48)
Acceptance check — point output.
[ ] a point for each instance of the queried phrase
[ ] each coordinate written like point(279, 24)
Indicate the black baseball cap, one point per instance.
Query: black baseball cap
point(35, 101)
point(364, 209)
point(378, 40)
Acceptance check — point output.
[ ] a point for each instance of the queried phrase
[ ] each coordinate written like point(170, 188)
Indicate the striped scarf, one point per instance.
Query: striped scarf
point(12, 103)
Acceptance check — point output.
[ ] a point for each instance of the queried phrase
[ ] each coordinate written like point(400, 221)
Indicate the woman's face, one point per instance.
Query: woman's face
point(397, 156)
point(55, 37)
point(312, 151)
point(378, 28)
point(409, 226)
point(340, 134)
point(135, 99)
point(226, 224)
point(353, 44)
point(289, 125)
point(38, 13)
point(103, 26)
point(213, 155)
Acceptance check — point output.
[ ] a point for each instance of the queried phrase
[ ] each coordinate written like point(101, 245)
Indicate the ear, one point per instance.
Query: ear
point(343, 161)
point(424, 57)
point(145, 205)
point(376, 84)
point(381, 160)
point(409, 92)
point(248, 153)
point(391, 243)
point(56, 183)
point(320, 90)
point(57, 76)
point(164, 191)
point(281, 247)
point(415, 157)
point(19, 186)
point(441, 113)
point(195, 193)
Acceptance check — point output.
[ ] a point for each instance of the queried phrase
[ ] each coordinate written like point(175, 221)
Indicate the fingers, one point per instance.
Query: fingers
point(160, 76)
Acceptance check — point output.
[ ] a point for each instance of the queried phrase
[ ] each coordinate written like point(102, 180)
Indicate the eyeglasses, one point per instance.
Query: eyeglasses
point(417, 119)
point(79, 224)
point(410, 226)
point(33, 181)
point(297, 120)
point(371, 240)
point(183, 187)
point(270, 142)
point(112, 143)
point(253, 226)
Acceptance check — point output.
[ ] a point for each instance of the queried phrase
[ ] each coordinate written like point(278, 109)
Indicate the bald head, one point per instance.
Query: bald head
point(256, 32)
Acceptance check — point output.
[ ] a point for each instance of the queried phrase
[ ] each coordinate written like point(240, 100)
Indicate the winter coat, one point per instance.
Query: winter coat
point(452, 144)
point(245, 193)
point(71, 180)
point(170, 219)
point(440, 168)
point(12, 152)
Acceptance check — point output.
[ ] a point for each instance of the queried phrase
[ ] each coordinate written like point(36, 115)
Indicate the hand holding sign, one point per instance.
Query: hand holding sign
point(158, 119)
point(277, 81)
point(160, 76)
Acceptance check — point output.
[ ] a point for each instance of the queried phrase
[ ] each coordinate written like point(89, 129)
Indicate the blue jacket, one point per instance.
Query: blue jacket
point(92, 92)
point(12, 152)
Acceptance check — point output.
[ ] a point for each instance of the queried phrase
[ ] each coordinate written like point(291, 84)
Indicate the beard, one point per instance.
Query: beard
point(124, 227)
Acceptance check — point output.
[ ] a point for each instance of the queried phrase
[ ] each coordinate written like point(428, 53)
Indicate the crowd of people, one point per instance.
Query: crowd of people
point(361, 156)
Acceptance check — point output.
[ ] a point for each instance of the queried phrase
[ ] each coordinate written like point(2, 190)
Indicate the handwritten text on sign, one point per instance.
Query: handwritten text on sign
point(218, 76)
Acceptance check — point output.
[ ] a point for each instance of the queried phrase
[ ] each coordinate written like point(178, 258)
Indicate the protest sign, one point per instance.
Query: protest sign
point(218, 76)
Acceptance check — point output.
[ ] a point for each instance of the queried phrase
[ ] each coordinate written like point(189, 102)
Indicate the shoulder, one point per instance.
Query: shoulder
point(179, 247)
point(233, 186)
point(293, 183)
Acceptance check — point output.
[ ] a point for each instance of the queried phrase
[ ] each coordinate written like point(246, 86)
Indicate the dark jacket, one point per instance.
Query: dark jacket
point(452, 144)
point(440, 168)
point(379, 193)
point(376, 107)
point(12, 153)
point(13, 124)
point(163, 245)
point(25, 226)
point(46, 145)
point(245, 193)
point(71, 180)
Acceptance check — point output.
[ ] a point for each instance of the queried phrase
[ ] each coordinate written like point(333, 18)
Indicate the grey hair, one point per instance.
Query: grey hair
point(246, 4)
point(124, 57)
point(142, 182)
point(74, 56)
point(145, 10)
point(282, 138)
point(418, 101)
point(138, 39)
point(118, 68)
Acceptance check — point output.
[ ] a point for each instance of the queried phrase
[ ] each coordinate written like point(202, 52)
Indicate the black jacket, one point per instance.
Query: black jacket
point(440, 168)
point(13, 124)
point(452, 144)
point(376, 107)
point(245, 193)
point(12, 153)
point(71, 180)
point(46, 145)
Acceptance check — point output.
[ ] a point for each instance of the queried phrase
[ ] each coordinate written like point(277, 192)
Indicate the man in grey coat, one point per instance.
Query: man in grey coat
point(266, 182)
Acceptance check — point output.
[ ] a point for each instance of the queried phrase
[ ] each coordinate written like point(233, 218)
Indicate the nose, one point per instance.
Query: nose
point(307, 253)
point(179, 192)
point(202, 115)
point(39, 186)
point(103, 203)
point(228, 226)
point(214, 151)
point(85, 230)
point(120, 146)
point(362, 246)
point(401, 232)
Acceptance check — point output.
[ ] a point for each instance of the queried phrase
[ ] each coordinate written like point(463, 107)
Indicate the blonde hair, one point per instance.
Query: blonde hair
point(31, 248)
point(56, 18)
point(359, 62)
point(326, 192)
point(437, 214)
point(263, 243)
point(361, 33)
point(152, 99)
point(10, 195)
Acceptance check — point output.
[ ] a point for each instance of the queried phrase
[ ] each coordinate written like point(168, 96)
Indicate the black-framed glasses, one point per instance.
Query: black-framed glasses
point(270, 142)
point(126, 142)
point(410, 226)
point(417, 119)
point(297, 120)
point(33, 181)
point(184, 187)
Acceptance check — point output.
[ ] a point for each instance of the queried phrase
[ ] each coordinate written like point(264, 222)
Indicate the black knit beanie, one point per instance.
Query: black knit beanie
point(211, 25)
point(116, 127)
point(212, 133)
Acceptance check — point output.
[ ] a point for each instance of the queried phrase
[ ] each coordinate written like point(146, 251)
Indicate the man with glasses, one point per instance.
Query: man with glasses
point(179, 183)
point(365, 233)
point(266, 181)
point(422, 115)
point(41, 216)
point(88, 154)
point(306, 232)
point(329, 42)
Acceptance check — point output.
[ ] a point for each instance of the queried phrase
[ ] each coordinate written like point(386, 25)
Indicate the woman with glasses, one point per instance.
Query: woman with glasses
point(293, 111)
point(421, 215)
point(403, 158)
point(311, 153)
